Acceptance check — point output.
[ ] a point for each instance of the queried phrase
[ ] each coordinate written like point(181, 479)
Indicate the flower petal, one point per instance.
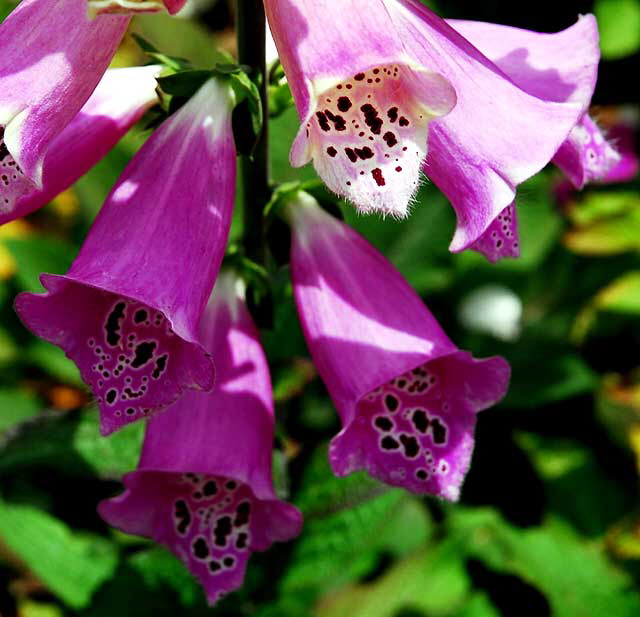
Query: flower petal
point(498, 134)
point(501, 238)
point(121, 98)
point(366, 330)
point(48, 73)
point(156, 246)
point(100, 7)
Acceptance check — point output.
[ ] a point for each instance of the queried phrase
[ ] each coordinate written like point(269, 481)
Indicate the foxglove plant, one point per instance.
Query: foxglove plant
point(203, 486)
point(46, 76)
point(98, 7)
point(118, 102)
point(406, 395)
point(551, 67)
point(369, 59)
point(127, 310)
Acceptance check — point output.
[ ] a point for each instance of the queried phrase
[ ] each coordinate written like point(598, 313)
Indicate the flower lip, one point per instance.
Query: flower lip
point(126, 350)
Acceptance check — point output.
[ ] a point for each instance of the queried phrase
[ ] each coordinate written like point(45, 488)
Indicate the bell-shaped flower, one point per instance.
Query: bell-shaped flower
point(53, 57)
point(119, 101)
point(203, 486)
point(99, 7)
point(497, 135)
point(127, 311)
point(560, 68)
point(406, 395)
point(364, 103)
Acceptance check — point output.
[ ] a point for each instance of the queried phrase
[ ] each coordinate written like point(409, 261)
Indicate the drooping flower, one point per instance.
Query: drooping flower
point(127, 310)
point(406, 395)
point(99, 7)
point(556, 67)
point(365, 105)
point(497, 135)
point(203, 486)
point(52, 59)
point(118, 102)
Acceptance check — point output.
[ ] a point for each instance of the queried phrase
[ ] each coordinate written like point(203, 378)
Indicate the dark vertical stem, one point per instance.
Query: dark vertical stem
point(250, 24)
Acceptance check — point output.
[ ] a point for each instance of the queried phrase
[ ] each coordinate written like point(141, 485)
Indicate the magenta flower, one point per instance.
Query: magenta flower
point(203, 487)
point(406, 395)
point(128, 309)
point(98, 7)
point(52, 58)
point(119, 101)
point(365, 105)
point(497, 135)
point(559, 68)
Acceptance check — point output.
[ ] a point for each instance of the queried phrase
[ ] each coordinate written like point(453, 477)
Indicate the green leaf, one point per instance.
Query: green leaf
point(619, 26)
point(183, 83)
point(72, 442)
point(16, 406)
point(72, 565)
point(36, 254)
point(434, 583)
point(576, 577)
point(53, 361)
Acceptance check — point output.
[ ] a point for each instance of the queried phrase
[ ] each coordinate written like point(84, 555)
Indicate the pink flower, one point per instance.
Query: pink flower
point(406, 395)
point(119, 101)
point(399, 72)
point(46, 76)
point(128, 309)
point(203, 487)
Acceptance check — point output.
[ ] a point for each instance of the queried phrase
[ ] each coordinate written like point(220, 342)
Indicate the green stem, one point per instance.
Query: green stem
point(251, 24)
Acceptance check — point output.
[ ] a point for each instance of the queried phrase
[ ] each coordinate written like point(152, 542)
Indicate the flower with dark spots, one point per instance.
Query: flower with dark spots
point(145, 257)
point(406, 395)
point(351, 66)
point(203, 486)
point(480, 108)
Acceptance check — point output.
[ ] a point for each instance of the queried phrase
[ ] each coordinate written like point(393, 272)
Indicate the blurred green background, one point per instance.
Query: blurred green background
point(549, 520)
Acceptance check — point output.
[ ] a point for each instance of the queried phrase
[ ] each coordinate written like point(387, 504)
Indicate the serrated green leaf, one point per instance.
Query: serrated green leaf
point(72, 565)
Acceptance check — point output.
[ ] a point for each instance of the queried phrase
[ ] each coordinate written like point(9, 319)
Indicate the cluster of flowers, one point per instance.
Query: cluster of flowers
point(372, 80)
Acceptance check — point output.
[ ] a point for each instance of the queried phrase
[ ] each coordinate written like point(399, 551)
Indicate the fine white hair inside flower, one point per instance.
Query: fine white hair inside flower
point(368, 139)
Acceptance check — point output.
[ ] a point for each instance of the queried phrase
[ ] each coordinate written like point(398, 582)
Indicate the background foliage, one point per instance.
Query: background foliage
point(548, 523)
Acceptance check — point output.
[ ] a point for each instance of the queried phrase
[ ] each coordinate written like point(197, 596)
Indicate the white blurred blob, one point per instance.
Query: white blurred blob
point(494, 310)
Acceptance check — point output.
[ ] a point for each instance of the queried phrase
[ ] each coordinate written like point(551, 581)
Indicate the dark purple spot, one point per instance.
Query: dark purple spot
point(410, 445)
point(200, 548)
point(371, 118)
point(214, 566)
point(421, 474)
point(365, 153)
point(222, 530)
point(229, 562)
point(242, 514)
point(391, 402)
point(359, 76)
point(161, 366)
point(378, 177)
point(392, 114)
point(420, 420)
point(111, 396)
point(112, 327)
point(241, 541)
point(389, 443)
point(210, 488)
point(344, 103)
point(331, 151)
point(231, 485)
point(322, 121)
point(404, 121)
point(353, 157)
point(383, 423)
point(439, 431)
point(339, 122)
point(144, 352)
point(183, 515)
point(390, 139)
point(140, 316)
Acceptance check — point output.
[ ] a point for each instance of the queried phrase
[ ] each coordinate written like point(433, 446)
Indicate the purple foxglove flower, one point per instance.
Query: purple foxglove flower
point(203, 486)
point(365, 105)
point(406, 395)
point(586, 155)
point(121, 98)
point(98, 7)
point(53, 58)
point(559, 68)
point(127, 311)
